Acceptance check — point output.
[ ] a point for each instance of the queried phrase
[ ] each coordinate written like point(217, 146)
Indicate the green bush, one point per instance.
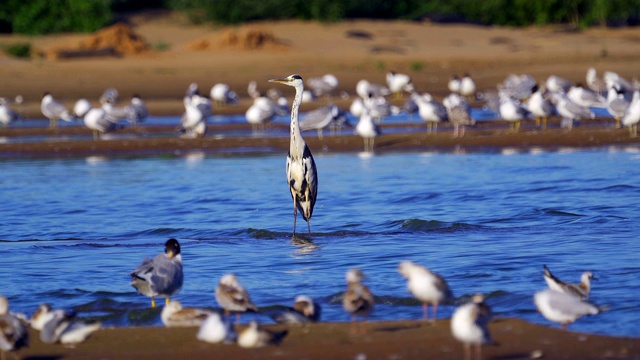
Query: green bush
point(44, 16)
point(19, 50)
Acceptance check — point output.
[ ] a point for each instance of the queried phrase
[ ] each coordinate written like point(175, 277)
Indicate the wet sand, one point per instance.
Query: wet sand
point(515, 339)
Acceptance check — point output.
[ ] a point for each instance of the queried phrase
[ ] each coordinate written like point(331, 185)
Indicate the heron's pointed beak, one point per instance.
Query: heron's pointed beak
point(280, 81)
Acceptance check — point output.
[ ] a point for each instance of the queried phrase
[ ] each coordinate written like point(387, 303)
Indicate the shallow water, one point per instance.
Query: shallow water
point(73, 229)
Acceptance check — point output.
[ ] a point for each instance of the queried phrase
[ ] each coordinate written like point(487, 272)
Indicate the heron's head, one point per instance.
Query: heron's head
point(291, 80)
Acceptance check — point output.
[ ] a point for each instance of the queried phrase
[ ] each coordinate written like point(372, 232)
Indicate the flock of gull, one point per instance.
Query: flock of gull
point(516, 99)
point(162, 276)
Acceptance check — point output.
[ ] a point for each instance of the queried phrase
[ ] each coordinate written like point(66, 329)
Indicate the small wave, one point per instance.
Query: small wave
point(419, 225)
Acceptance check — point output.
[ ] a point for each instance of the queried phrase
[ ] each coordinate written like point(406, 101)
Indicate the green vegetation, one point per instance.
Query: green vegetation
point(19, 50)
point(416, 65)
point(46, 16)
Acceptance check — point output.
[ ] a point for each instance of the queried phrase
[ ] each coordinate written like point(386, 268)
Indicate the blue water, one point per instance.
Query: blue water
point(71, 230)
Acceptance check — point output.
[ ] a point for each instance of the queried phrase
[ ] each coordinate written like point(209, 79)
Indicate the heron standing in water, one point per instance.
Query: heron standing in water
point(302, 175)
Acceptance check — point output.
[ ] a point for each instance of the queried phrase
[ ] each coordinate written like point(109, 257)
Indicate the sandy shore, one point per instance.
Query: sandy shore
point(515, 339)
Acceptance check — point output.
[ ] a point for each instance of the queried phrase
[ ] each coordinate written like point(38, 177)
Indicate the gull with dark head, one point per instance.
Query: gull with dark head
point(302, 175)
point(563, 308)
point(540, 106)
point(426, 286)
point(358, 299)
point(160, 276)
point(581, 290)
point(469, 325)
point(233, 297)
point(254, 336)
point(304, 311)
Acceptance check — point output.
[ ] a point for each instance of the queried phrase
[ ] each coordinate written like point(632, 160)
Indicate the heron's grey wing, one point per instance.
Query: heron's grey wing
point(166, 277)
point(311, 175)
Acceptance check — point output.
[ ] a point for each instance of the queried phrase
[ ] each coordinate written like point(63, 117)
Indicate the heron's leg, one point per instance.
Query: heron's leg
point(295, 216)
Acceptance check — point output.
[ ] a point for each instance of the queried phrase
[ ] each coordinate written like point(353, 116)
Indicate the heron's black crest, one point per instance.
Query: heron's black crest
point(296, 76)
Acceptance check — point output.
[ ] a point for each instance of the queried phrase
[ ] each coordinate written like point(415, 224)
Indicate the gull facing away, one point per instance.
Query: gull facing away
point(193, 123)
point(254, 336)
point(512, 111)
point(213, 330)
point(232, 297)
point(468, 87)
point(579, 290)
point(323, 86)
point(469, 325)
point(14, 333)
point(617, 105)
point(570, 111)
point(304, 311)
point(358, 300)
point(54, 110)
point(174, 315)
point(426, 286)
point(302, 175)
point(563, 308)
point(81, 108)
point(454, 84)
point(160, 276)
point(137, 110)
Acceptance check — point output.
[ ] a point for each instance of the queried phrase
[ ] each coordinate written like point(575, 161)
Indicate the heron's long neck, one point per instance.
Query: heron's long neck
point(296, 146)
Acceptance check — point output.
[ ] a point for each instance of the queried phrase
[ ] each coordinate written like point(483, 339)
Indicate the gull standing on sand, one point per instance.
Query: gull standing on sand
point(98, 121)
point(426, 286)
point(54, 110)
point(213, 330)
point(323, 86)
point(81, 108)
point(302, 175)
point(368, 130)
point(581, 290)
point(160, 276)
point(468, 87)
point(319, 118)
point(632, 116)
point(454, 84)
point(174, 315)
point(357, 300)
point(540, 106)
point(585, 97)
point(14, 333)
point(262, 111)
point(512, 111)
point(594, 82)
point(469, 325)
point(232, 297)
point(222, 95)
point(617, 105)
point(518, 86)
point(558, 84)
point(570, 111)
point(398, 83)
point(304, 311)
point(430, 111)
point(7, 115)
point(137, 110)
point(193, 123)
point(563, 308)
point(254, 336)
point(459, 114)
point(366, 89)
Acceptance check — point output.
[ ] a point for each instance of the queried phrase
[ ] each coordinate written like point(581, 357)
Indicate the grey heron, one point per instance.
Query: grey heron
point(302, 175)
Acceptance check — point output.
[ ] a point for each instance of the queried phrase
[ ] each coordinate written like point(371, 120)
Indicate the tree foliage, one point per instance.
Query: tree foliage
point(49, 16)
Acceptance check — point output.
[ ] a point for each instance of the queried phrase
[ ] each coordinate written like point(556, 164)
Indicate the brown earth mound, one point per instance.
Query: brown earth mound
point(249, 39)
point(116, 40)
